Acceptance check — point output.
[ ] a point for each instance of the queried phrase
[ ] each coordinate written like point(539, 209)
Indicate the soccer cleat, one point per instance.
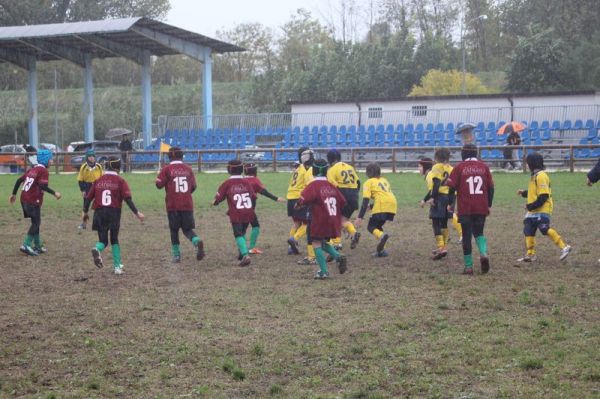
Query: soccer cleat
point(484, 261)
point(256, 251)
point(342, 264)
point(381, 254)
point(27, 250)
point(565, 252)
point(307, 261)
point(468, 271)
point(245, 261)
point(319, 275)
point(176, 259)
point(528, 258)
point(200, 251)
point(119, 270)
point(97, 258)
point(439, 254)
point(40, 250)
point(293, 246)
point(382, 241)
point(338, 247)
point(354, 241)
point(460, 240)
point(82, 226)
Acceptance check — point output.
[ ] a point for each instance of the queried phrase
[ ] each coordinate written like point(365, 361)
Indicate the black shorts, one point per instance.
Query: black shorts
point(107, 219)
point(183, 220)
point(439, 209)
point(532, 224)
point(351, 196)
point(239, 229)
point(301, 213)
point(472, 219)
point(377, 220)
point(31, 211)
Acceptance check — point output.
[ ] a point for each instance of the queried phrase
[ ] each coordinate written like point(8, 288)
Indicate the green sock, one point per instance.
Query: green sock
point(241, 243)
point(481, 242)
point(28, 240)
point(254, 236)
point(37, 241)
point(100, 246)
point(175, 250)
point(195, 240)
point(321, 260)
point(116, 253)
point(468, 261)
point(330, 250)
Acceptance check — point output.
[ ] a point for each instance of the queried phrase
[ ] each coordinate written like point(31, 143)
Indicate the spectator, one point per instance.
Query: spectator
point(466, 133)
point(510, 152)
point(126, 147)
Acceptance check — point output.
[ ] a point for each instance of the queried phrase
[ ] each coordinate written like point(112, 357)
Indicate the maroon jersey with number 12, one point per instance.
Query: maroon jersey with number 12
point(471, 179)
point(326, 203)
point(240, 198)
point(32, 179)
point(179, 181)
point(109, 191)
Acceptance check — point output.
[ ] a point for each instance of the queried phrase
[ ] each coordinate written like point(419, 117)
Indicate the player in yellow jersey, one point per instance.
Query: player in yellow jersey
point(539, 209)
point(384, 206)
point(344, 177)
point(89, 172)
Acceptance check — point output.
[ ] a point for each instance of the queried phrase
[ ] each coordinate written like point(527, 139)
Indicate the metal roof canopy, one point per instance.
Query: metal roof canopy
point(136, 39)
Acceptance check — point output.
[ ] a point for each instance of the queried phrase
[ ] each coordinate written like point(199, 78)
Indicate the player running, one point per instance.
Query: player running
point(89, 172)
point(106, 197)
point(179, 183)
point(35, 182)
point(472, 180)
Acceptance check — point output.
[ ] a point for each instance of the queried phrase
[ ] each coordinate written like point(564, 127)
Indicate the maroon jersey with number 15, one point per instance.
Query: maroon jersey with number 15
point(179, 182)
point(240, 198)
point(32, 179)
point(471, 179)
point(109, 191)
point(326, 203)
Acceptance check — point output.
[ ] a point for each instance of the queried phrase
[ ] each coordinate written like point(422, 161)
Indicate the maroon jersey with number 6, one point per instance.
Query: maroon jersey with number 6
point(179, 182)
point(240, 198)
point(32, 179)
point(472, 180)
point(326, 203)
point(109, 191)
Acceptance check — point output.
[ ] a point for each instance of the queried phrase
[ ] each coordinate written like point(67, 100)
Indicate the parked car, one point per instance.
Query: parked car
point(252, 156)
point(73, 144)
point(52, 147)
point(103, 150)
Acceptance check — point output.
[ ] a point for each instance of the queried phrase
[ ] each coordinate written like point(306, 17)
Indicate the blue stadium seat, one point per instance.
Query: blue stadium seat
point(399, 135)
point(533, 125)
point(450, 128)
point(534, 134)
point(439, 128)
point(595, 152)
point(429, 128)
point(567, 125)
point(480, 127)
point(545, 125)
point(546, 134)
point(578, 125)
point(486, 154)
point(491, 127)
point(361, 136)
point(589, 124)
point(555, 125)
point(592, 133)
point(582, 152)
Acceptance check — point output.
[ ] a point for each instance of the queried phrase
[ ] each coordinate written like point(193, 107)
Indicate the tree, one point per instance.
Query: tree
point(440, 83)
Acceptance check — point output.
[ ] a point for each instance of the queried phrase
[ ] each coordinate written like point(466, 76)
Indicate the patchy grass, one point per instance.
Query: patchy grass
point(403, 326)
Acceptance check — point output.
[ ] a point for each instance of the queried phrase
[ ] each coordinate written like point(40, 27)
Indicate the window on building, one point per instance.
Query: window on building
point(375, 112)
point(419, 110)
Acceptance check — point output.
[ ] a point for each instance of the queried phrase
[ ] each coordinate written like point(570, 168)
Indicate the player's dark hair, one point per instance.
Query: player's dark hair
point(426, 163)
point(442, 155)
point(468, 151)
point(175, 154)
point(300, 151)
point(113, 163)
point(333, 156)
point(535, 161)
point(250, 169)
point(320, 167)
point(235, 167)
point(373, 170)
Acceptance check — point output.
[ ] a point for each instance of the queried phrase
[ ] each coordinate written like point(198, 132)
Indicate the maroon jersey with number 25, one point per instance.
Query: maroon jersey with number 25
point(179, 182)
point(109, 191)
point(326, 203)
point(471, 179)
point(240, 198)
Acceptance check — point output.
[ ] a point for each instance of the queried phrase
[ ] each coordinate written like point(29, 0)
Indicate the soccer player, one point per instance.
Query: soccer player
point(250, 172)
point(179, 183)
point(472, 180)
point(384, 206)
point(344, 177)
point(89, 172)
point(325, 202)
point(539, 209)
point(35, 182)
point(106, 197)
point(240, 196)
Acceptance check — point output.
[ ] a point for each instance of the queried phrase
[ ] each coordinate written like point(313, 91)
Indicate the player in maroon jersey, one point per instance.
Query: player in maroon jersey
point(251, 171)
point(179, 182)
point(325, 202)
point(240, 197)
point(106, 197)
point(35, 182)
point(472, 181)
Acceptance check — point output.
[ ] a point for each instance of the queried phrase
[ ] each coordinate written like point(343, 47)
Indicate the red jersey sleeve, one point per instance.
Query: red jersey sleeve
point(162, 178)
point(453, 178)
point(221, 193)
point(43, 177)
point(125, 191)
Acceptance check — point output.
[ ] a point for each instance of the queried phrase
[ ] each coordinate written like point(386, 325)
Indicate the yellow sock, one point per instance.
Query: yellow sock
point(530, 244)
point(457, 226)
point(336, 241)
point(555, 237)
point(440, 242)
point(350, 228)
point(301, 232)
point(445, 234)
point(310, 251)
point(377, 233)
point(293, 231)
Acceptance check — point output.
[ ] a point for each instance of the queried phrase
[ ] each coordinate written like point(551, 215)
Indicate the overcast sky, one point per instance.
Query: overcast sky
point(206, 17)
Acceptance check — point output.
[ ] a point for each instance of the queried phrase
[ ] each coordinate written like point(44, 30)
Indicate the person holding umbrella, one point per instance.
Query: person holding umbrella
point(509, 152)
point(126, 147)
point(466, 133)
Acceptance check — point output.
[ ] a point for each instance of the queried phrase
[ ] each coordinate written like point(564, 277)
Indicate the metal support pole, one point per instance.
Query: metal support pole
point(33, 105)
point(147, 99)
point(88, 99)
point(207, 89)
